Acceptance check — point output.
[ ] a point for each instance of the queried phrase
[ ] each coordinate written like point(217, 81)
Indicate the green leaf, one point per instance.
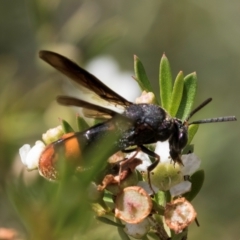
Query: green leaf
point(176, 94)
point(189, 92)
point(160, 197)
point(109, 222)
point(158, 208)
point(81, 123)
point(192, 130)
point(66, 127)
point(197, 180)
point(108, 197)
point(141, 76)
point(121, 232)
point(165, 82)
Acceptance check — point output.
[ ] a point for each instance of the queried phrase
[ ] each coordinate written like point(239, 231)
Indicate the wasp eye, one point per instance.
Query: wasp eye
point(182, 139)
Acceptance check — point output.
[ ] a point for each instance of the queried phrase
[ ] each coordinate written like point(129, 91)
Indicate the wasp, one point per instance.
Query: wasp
point(137, 126)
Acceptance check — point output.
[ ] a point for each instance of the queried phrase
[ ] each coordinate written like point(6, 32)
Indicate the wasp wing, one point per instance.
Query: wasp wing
point(82, 77)
point(89, 109)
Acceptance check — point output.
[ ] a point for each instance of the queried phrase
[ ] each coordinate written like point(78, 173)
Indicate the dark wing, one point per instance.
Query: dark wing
point(89, 109)
point(82, 77)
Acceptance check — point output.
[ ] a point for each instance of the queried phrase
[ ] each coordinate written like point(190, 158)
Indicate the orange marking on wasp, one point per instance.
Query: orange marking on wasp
point(50, 156)
point(72, 147)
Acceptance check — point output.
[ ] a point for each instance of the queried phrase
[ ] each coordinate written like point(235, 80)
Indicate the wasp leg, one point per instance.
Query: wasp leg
point(153, 165)
point(127, 161)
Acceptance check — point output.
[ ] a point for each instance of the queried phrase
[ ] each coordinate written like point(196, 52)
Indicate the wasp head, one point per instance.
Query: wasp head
point(178, 139)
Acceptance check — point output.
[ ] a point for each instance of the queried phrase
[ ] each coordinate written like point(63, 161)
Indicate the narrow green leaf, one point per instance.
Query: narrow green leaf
point(176, 94)
point(189, 92)
point(123, 235)
point(192, 130)
point(66, 127)
point(141, 76)
point(165, 82)
point(109, 222)
point(168, 196)
point(197, 180)
point(158, 208)
point(108, 197)
point(81, 123)
point(121, 232)
point(160, 198)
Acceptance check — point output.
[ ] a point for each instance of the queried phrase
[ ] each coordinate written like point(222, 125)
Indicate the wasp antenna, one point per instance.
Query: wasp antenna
point(198, 108)
point(214, 120)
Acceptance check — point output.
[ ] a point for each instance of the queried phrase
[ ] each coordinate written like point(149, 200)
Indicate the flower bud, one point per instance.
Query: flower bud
point(52, 134)
point(146, 97)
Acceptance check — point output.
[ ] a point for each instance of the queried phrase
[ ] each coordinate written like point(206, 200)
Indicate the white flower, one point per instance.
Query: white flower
point(190, 161)
point(30, 156)
point(166, 175)
point(162, 149)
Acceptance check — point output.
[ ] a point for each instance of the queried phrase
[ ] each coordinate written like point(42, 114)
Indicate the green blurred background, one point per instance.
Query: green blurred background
point(201, 36)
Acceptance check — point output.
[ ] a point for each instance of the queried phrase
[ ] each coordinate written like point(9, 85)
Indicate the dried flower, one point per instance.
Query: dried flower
point(179, 214)
point(133, 204)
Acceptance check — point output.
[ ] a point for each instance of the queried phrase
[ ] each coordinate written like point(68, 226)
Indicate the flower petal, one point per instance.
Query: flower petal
point(162, 149)
point(138, 230)
point(23, 152)
point(191, 163)
point(33, 155)
point(146, 187)
point(180, 188)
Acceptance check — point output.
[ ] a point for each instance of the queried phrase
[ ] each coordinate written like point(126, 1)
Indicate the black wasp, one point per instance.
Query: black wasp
point(138, 125)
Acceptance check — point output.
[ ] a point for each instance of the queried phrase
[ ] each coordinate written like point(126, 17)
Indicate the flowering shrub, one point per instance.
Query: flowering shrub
point(122, 193)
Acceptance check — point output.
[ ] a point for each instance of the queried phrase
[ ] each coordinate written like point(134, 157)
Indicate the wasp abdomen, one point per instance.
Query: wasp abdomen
point(66, 149)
